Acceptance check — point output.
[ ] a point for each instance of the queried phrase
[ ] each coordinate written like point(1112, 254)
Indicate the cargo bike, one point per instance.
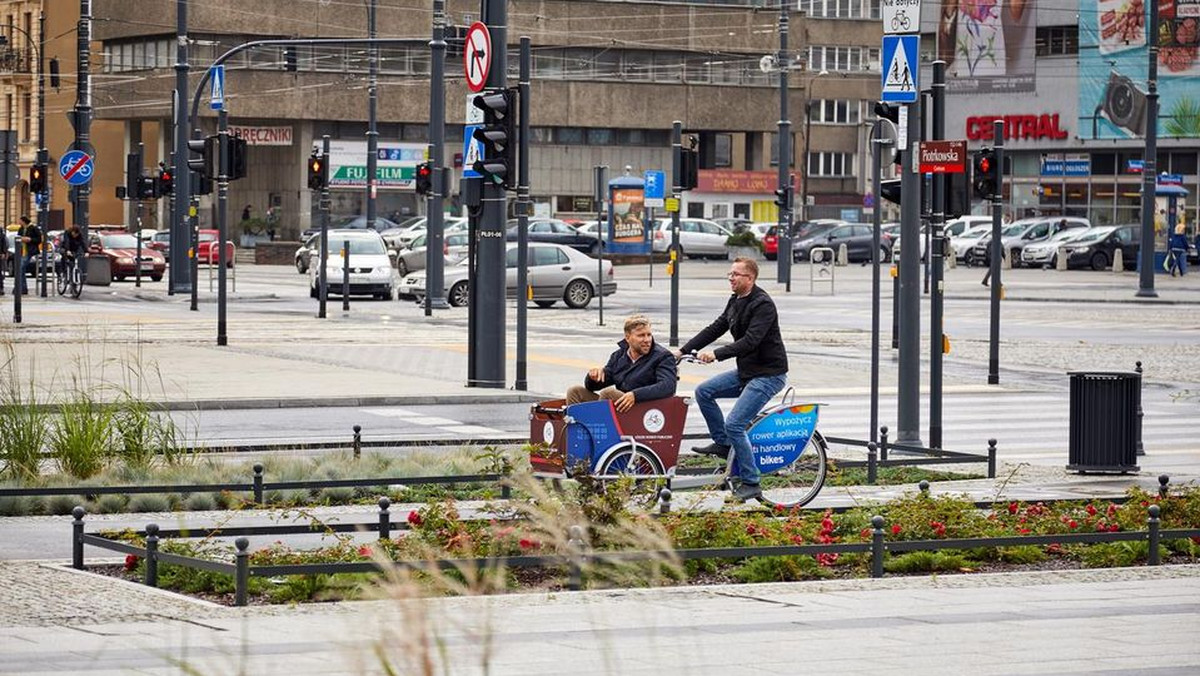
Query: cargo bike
point(593, 438)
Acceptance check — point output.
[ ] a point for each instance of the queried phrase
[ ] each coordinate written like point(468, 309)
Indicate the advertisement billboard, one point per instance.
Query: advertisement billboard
point(1114, 62)
point(627, 228)
point(395, 167)
point(988, 45)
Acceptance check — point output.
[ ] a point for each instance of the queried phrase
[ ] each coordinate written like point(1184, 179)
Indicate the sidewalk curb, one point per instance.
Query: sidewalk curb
point(338, 402)
point(1040, 299)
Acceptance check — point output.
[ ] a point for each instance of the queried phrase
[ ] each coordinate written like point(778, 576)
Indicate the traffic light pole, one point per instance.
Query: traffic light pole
point(997, 205)
point(600, 177)
point(222, 225)
point(783, 257)
point(137, 221)
point(43, 156)
point(322, 271)
point(435, 230)
point(82, 116)
point(372, 131)
point(934, 255)
point(523, 207)
point(1150, 167)
point(676, 193)
point(876, 149)
point(182, 272)
point(909, 394)
point(489, 283)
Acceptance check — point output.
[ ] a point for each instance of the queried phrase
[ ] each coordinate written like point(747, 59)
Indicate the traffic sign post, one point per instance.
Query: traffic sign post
point(216, 99)
point(477, 56)
point(901, 16)
point(900, 72)
point(655, 188)
point(76, 167)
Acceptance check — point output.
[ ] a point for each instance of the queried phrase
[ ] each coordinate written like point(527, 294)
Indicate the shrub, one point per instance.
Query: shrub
point(779, 569)
point(81, 438)
point(60, 505)
point(149, 502)
point(111, 503)
point(743, 238)
point(337, 495)
point(1119, 554)
point(22, 426)
point(16, 506)
point(924, 562)
point(200, 502)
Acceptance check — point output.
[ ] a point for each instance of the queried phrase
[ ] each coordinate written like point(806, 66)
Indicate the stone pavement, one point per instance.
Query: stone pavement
point(1110, 622)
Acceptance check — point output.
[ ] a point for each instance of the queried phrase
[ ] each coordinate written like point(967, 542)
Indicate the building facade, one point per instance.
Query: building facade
point(609, 78)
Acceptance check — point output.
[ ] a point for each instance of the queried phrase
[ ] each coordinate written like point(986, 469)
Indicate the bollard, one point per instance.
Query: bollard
point(575, 554)
point(872, 464)
point(357, 441)
point(1006, 258)
point(1141, 448)
point(1060, 258)
point(258, 483)
point(923, 486)
point(385, 519)
point(951, 260)
point(242, 575)
point(843, 255)
point(346, 276)
point(877, 546)
point(77, 537)
point(1118, 264)
point(664, 501)
point(1152, 526)
point(895, 308)
point(151, 555)
point(991, 458)
point(1163, 489)
point(883, 443)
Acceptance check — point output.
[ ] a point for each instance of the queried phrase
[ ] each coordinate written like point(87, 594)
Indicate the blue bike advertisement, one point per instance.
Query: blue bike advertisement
point(780, 437)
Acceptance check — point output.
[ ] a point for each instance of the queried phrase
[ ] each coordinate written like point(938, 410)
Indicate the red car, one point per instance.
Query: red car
point(206, 253)
point(770, 242)
point(122, 254)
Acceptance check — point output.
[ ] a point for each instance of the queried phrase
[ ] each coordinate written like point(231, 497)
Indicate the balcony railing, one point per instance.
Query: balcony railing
point(17, 61)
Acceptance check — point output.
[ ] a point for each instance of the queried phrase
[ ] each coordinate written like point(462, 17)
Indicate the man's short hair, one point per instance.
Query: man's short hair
point(635, 322)
point(749, 263)
point(25, 220)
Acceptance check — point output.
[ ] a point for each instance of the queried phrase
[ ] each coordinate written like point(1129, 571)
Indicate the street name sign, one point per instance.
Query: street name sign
point(943, 157)
point(901, 16)
point(477, 56)
point(900, 69)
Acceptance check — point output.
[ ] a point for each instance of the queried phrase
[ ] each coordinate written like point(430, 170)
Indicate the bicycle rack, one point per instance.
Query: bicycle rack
point(820, 268)
point(232, 270)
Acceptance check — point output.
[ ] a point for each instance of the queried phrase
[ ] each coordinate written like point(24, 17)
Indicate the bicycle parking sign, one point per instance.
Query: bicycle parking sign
point(901, 16)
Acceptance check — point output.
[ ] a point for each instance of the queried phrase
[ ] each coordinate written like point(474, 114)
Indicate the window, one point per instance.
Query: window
point(1057, 40)
point(26, 117)
point(722, 150)
point(835, 111)
point(601, 137)
point(569, 136)
point(830, 164)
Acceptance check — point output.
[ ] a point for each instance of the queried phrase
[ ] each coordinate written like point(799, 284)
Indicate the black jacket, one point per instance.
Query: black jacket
point(651, 377)
point(757, 343)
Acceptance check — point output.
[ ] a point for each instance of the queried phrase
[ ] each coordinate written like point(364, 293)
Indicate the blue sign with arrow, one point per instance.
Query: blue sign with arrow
point(217, 96)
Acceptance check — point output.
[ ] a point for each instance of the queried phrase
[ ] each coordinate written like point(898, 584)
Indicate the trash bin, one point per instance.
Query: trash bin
point(1103, 421)
point(99, 271)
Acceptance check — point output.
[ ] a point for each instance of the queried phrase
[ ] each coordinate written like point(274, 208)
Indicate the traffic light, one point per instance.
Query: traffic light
point(424, 178)
point(318, 171)
point(690, 173)
point(498, 134)
point(987, 174)
point(237, 158)
point(889, 189)
point(206, 162)
point(147, 188)
point(37, 179)
point(890, 111)
point(166, 180)
point(783, 198)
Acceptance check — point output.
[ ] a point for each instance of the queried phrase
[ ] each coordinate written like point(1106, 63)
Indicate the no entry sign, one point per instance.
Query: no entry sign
point(943, 157)
point(477, 56)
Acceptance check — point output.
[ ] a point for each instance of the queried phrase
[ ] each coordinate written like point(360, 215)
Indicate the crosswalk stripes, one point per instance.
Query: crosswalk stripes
point(442, 424)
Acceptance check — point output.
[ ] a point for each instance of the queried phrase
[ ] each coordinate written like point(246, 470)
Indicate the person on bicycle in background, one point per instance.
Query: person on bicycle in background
point(639, 370)
point(70, 246)
point(751, 318)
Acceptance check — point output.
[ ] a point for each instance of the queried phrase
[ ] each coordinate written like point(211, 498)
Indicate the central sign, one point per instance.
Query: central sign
point(943, 157)
point(477, 56)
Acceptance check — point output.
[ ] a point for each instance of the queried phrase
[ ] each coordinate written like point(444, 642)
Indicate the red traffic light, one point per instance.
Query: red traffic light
point(424, 171)
point(985, 164)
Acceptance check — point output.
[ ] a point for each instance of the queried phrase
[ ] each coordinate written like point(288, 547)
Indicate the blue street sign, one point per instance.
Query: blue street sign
point(1170, 179)
point(472, 151)
point(654, 188)
point(217, 97)
point(76, 167)
point(901, 68)
point(1134, 166)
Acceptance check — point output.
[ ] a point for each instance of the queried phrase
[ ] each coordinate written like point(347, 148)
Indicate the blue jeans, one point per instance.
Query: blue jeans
point(751, 396)
point(1178, 261)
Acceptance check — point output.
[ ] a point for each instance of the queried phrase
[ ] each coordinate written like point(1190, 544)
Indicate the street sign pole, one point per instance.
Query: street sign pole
point(434, 260)
point(993, 377)
point(877, 144)
point(489, 283)
point(523, 205)
point(909, 396)
point(181, 279)
point(934, 255)
point(222, 220)
point(673, 256)
point(323, 276)
point(81, 116)
point(601, 178)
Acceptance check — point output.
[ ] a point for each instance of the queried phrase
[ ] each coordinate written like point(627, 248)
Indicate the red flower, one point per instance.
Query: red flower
point(528, 543)
point(364, 551)
point(1012, 507)
point(414, 518)
point(1072, 524)
point(779, 509)
point(1100, 527)
point(798, 539)
point(864, 533)
point(1023, 531)
point(131, 561)
point(939, 528)
point(1053, 548)
point(895, 529)
point(1112, 528)
point(826, 560)
point(1091, 510)
point(1112, 509)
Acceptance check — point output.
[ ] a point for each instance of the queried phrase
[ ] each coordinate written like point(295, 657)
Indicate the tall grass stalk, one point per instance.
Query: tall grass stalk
point(22, 423)
point(81, 438)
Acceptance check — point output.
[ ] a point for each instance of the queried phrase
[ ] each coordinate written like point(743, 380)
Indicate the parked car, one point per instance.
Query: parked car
point(122, 254)
point(370, 264)
point(556, 272)
point(1097, 247)
point(963, 244)
point(698, 238)
point(1045, 253)
point(1021, 233)
point(555, 231)
point(735, 224)
point(161, 242)
point(412, 259)
point(810, 236)
point(351, 223)
point(304, 252)
point(208, 254)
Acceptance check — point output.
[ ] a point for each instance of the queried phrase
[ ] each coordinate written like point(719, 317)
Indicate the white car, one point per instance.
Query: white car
point(556, 272)
point(968, 239)
point(402, 238)
point(953, 230)
point(370, 264)
point(1046, 252)
point(699, 238)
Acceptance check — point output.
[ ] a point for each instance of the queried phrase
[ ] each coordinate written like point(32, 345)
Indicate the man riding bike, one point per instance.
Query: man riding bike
point(70, 247)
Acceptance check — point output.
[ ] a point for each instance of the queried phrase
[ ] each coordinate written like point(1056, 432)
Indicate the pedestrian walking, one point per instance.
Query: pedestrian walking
point(29, 237)
point(1178, 246)
point(3, 258)
point(246, 212)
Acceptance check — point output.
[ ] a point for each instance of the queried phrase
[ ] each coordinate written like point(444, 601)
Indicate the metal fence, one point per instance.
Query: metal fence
point(576, 559)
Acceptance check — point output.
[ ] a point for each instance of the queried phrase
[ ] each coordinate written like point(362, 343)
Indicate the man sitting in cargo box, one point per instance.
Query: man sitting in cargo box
point(640, 370)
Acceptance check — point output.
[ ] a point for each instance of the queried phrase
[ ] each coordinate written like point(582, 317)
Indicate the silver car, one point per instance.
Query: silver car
point(1046, 253)
point(412, 259)
point(556, 272)
point(698, 238)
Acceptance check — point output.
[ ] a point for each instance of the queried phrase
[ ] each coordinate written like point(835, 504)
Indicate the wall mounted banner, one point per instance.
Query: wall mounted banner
point(988, 45)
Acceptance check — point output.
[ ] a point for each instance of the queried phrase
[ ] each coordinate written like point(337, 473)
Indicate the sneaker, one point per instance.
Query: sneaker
point(746, 492)
point(713, 449)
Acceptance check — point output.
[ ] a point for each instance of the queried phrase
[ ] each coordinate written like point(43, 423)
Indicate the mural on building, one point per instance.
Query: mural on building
point(1113, 62)
point(988, 45)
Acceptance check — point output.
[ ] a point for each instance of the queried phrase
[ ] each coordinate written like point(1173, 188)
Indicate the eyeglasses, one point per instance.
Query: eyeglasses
point(731, 275)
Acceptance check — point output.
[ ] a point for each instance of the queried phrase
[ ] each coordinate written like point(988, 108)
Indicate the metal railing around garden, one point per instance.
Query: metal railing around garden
point(576, 559)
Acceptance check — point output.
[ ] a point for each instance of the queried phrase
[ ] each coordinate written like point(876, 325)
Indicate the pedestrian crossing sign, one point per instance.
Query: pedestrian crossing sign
point(901, 68)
